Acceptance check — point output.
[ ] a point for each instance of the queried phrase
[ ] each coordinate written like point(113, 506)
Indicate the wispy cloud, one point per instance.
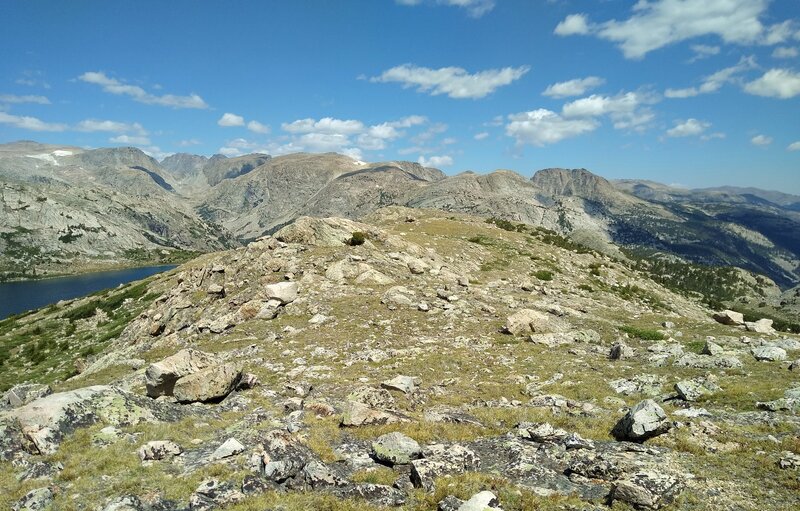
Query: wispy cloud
point(13, 98)
point(455, 82)
point(436, 161)
point(475, 8)
point(703, 51)
point(761, 140)
point(30, 123)
point(117, 87)
point(714, 82)
point(785, 52)
point(576, 87)
point(92, 125)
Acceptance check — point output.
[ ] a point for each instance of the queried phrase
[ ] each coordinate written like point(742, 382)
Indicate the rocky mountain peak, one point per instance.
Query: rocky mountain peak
point(183, 165)
point(574, 182)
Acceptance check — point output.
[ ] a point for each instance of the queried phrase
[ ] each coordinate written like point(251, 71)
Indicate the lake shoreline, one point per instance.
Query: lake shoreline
point(22, 296)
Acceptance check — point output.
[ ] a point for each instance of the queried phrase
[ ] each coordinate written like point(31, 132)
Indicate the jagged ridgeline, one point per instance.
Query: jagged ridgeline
point(67, 209)
point(416, 359)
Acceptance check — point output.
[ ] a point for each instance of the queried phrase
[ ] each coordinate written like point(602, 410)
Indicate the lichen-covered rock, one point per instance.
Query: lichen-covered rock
point(439, 460)
point(359, 414)
point(22, 394)
point(41, 425)
point(396, 449)
point(211, 384)
point(161, 376)
point(645, 420)
point(212, 494)
point(38, 499)
point(768, 353)
point(648, 490)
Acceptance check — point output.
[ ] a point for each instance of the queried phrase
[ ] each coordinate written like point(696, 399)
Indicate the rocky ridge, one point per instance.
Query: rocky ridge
point(444, 363)
point(70, 208)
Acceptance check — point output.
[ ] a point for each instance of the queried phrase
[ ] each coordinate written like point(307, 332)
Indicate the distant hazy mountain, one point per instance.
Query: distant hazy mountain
point(104, 202)
point(65, 207)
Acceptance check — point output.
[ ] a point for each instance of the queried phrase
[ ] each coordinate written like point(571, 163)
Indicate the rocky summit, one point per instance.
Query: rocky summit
point(414, 359)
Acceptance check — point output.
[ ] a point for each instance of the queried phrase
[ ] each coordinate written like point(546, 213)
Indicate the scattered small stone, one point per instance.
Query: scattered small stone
point(404, 384)
point(621, 351)
point(712, 348)
point(159, 450)
point(729, 317)
point(216, 289)
point(482, 501)
point(231, 447)
point(789, 460)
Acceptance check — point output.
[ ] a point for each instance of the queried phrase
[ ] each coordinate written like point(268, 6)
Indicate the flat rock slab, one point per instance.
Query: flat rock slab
point(41, 425)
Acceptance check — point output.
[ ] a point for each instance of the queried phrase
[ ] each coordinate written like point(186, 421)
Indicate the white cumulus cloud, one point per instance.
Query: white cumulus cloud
point(688, 128)
point(114, 86)
point(542, 127)
point(794, 146)
point(455, 82)
point(257, 127)
point(576, 87)
point(324, 125)
point(658, 23)
point(628, 110)
point(776, 83)
point(574, 24)
point(229, 120)
point(481, 136)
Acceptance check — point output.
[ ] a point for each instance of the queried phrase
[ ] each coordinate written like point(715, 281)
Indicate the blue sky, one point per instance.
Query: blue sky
point(695, 93)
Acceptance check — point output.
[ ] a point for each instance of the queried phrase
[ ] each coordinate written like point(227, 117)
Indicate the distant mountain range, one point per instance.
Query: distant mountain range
point(65, 206)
